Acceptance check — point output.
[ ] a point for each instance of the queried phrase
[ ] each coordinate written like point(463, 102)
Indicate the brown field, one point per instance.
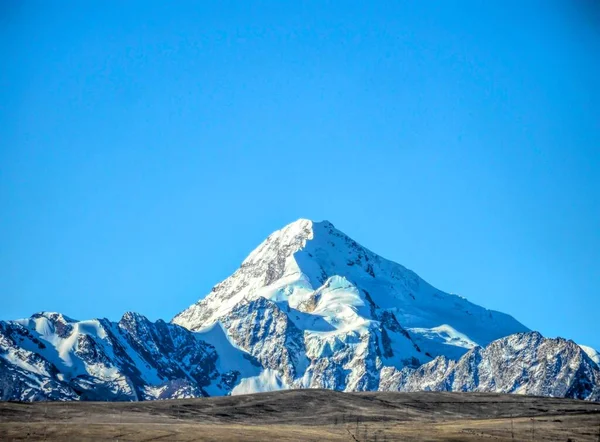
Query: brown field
point(315, 415)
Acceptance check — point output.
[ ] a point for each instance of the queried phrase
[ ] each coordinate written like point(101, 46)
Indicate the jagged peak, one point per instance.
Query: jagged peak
point(303, 223)
point(527, 335)
point(133, 317)
point(258, 303)
point(527, 339)
point(302, 228)
point(287, 240)
point(53, 316)
point(533, 339)
point(295, 237)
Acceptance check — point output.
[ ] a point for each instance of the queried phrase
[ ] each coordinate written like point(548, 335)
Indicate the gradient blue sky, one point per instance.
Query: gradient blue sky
point(147, 148)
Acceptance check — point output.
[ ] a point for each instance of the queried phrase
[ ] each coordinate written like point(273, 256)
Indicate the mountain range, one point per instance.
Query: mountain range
point(308, 308)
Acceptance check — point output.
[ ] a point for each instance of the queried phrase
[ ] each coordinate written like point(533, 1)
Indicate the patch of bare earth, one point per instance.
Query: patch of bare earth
point(311, 415)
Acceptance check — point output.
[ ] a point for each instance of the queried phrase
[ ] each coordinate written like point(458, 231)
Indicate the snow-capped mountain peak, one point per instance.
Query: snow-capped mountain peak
point(307, 261)
point(330, 291)
point(308, 308)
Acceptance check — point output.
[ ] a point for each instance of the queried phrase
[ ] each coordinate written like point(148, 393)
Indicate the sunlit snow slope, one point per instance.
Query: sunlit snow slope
point(333, 285)
point(332, 313)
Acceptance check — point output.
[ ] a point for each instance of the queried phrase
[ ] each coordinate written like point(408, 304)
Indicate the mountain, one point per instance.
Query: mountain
point(523, 363)
point(342, 310)
point(308, 308)
point(336, 286)
point(50, 356)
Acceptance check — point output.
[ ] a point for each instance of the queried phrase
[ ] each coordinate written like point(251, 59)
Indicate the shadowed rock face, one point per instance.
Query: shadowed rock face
point(264, 331)
point(101, 360)
point(309, 308)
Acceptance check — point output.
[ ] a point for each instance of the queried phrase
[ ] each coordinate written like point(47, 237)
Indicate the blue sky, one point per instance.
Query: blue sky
point(146, 149)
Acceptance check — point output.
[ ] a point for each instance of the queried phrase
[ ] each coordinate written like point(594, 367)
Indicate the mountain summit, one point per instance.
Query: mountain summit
point(308, 308)
point(316, 269)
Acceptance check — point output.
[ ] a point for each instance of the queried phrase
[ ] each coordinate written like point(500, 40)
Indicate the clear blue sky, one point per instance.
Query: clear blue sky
point(147, 147)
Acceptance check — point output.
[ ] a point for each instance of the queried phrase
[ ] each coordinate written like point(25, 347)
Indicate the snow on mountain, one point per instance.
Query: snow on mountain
point(296, 261)
point(593, 354)
point(51, 356)
point(523, 363)
point(267, 380)
point(308, 308)
point(346, 311)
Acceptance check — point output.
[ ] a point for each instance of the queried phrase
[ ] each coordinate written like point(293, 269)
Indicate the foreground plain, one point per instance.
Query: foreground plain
point(309, 415)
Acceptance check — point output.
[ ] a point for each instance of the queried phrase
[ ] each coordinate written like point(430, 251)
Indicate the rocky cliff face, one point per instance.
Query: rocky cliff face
point(309, 308)
point(524, 363)
point(50, 356)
